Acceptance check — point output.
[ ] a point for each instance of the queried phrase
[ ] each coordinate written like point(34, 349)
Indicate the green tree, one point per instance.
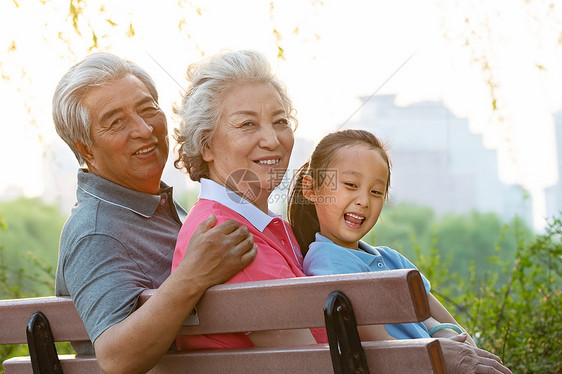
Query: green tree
point(466, 241)
point(403, 227)
point(470, 241)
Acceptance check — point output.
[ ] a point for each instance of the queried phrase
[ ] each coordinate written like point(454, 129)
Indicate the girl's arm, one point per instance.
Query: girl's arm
point(374, 333)
point(438, 315)
point(281, 338)
point(441, 315)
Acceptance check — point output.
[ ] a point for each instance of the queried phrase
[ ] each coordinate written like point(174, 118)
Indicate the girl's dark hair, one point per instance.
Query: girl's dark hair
point(301, 211)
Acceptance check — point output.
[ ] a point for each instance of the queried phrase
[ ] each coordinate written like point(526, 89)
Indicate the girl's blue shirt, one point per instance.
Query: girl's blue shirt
point(324, 257)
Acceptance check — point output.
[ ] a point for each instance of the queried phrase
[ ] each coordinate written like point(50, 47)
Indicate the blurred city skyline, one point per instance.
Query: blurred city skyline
point(495, 63)
point(427, 145)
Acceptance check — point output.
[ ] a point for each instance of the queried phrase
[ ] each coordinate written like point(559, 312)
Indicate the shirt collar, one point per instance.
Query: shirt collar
point(362, 245)
point(211, 190)
point(368, 248)
point(139, 202)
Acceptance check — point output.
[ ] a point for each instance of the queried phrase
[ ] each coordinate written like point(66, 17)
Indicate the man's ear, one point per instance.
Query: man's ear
point(308, 188)
point(84, 151)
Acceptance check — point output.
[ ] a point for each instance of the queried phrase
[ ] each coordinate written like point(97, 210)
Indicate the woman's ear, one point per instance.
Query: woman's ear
point(308, 188)
point(206, 153)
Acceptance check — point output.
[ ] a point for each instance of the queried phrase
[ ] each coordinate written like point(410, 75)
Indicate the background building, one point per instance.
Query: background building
point(438, 162)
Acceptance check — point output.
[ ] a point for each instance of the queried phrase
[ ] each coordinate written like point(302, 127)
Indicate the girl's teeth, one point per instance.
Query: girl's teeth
point(355, 216)
point(353, 219)
point(268, 162)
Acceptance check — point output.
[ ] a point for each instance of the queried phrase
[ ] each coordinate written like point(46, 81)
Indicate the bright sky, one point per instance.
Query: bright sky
point(335, 52)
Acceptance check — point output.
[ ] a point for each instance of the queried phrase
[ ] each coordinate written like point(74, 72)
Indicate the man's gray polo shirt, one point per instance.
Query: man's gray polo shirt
point(116, 243)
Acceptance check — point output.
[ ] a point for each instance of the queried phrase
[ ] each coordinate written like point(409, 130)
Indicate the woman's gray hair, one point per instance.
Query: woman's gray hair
point(200, 109)
point(72, 120)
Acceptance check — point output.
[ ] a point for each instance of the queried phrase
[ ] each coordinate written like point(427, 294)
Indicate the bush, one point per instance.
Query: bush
point(519, 321)
point(30, 241)
point(28, 275)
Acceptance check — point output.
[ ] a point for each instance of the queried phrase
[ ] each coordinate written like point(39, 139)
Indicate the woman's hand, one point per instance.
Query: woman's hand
point(462, 358)
point(461, 338)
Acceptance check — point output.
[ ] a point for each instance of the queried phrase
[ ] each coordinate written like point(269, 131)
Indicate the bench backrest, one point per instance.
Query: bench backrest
point(382, 297)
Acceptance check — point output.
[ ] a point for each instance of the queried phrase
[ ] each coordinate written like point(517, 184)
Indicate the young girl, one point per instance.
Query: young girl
point(336, 200)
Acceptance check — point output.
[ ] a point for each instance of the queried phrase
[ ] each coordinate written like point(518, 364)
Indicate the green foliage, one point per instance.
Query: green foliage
point(7, 351)
point(29, 247)
point(466, 241)
point(519, 320)
point(403, 228)
point(29, 235)
point(2, 222)
point(187, 199)
point(475, 239)
point(503, 284)
point(75, 11)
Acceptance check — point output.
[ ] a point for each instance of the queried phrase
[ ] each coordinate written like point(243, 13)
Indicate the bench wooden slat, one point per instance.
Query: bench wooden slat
point(262, 301)
point(395, 296)
point(65, 322)
point(400, 356)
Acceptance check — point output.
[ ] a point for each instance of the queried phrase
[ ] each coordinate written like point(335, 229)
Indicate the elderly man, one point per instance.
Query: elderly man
point(120, 237)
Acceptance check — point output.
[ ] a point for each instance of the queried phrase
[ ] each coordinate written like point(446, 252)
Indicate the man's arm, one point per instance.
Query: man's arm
point(214, 255)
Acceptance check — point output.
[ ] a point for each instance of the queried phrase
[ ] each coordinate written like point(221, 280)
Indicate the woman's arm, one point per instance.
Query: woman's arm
point(137, 343)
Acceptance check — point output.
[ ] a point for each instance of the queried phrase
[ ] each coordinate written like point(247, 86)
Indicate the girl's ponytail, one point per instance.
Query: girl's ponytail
point(302, 212)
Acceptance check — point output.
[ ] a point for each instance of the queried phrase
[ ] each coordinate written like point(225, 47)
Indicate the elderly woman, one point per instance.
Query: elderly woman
point(236, 138)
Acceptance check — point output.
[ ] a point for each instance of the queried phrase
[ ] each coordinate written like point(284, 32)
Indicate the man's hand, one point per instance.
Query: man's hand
point(462, 358)
point(217, 253)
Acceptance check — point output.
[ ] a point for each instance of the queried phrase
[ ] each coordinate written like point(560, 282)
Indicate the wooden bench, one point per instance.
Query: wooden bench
point(383, 297)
